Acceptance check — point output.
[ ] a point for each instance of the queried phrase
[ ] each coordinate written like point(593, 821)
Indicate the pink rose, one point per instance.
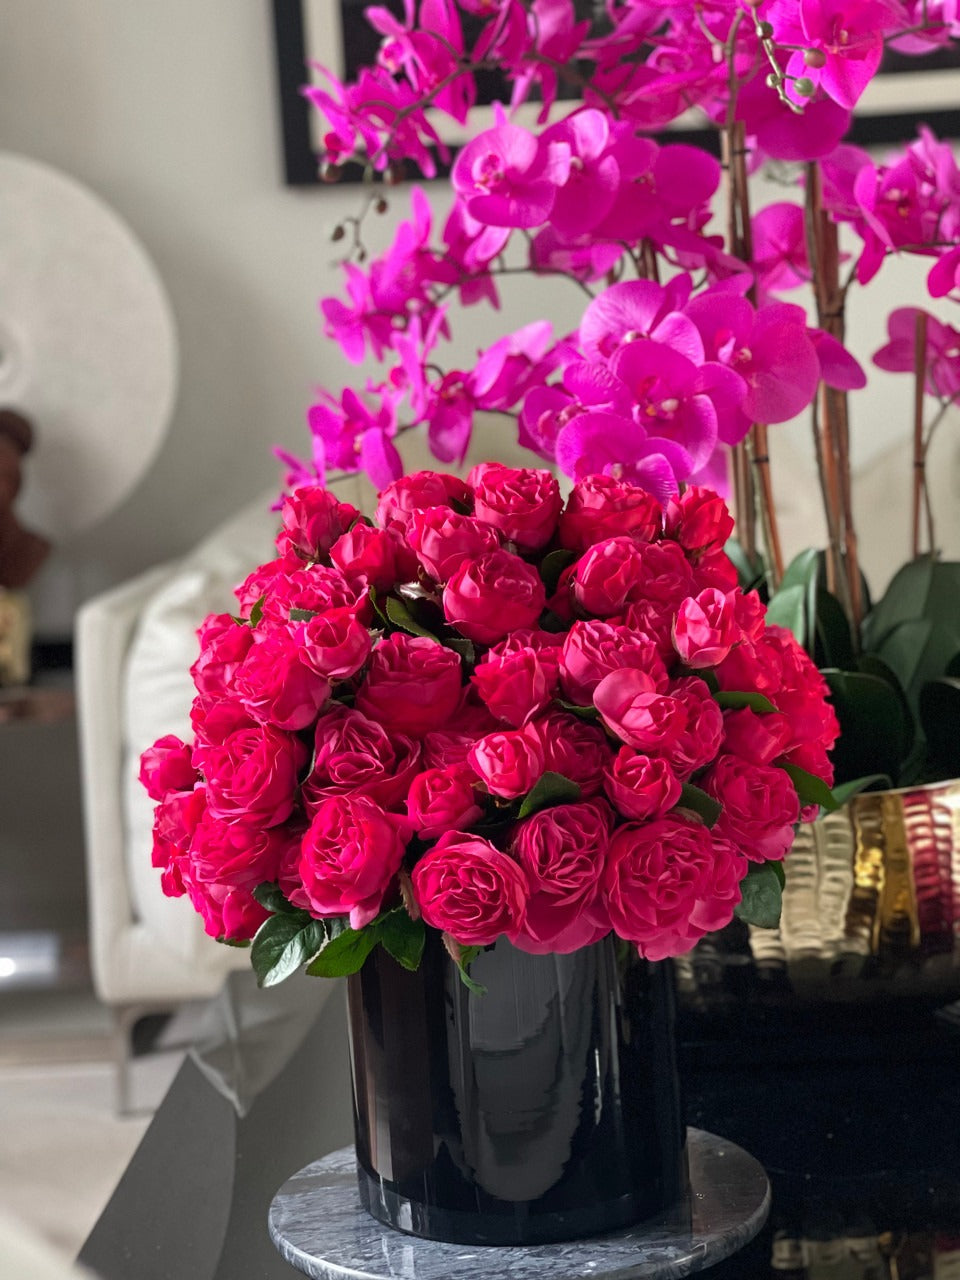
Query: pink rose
point(488, 598)
point(224, 644)
point(349, 856)
point(666, 578)
point(443, 539)
point(275, 687)
point(416, 492)
point(353, 755)
point(600, 507)
point(470, 890)
point(705, 628)
point(375, 558)
point(700, 521)
point(413, 685)
point(630, 705)
point(335, 643)
point(508, 762)
point(579, 750)
point(213, 719)
point(608, 576)
point(760, 738)
point(228, 912)
point(236, 853)
point(750, 613)
point(442, 800)
point(175, 819)
point(314, 588)
point(313, 519)
point(650, 619)
point(514, 686)
point(167, 766)
point(252, 777)
point(699, 742)
point(641, 786)
point(592, 649)
point(522, 503)
point(760, 806)
point(562, 850)
point(753, 667)
point(666, 883)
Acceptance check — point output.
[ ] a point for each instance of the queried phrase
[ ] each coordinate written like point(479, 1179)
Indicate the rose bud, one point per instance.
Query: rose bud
point(699, 742)
point(275, 686)
point(601, 507)
point(236, 853)
point(705, 629)
point(413, 685)
point(224, 643)
point(699, 520)
point(355, 756)
point(228, 912)
point(760, 806)
point(416, 492)
point(576, 748)
point(252, 777)
point(444, 539)
point(442, 800)
point(313, 519)
point(335, 643)
point(515, 686)
point(592, 649)
point(760, 738)
point(373, 558)
point(668, 882)
point(470, 890)
point(167, 766)
point(488, 598)
point(349, 856)
point(629, 705)
point(561, 849)
point(641, 786)
point(522, 504)
point(508, 762)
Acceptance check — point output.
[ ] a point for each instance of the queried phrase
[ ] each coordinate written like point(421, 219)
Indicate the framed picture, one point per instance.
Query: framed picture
point(334, 34)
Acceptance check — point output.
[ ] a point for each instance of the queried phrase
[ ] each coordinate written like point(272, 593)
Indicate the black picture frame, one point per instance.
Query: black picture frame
point(910, 91)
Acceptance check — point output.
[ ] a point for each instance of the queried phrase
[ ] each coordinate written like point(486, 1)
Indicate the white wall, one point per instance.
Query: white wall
point(167, 109)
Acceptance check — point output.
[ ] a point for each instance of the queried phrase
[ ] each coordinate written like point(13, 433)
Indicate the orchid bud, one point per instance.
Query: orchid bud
point(815, 58)
point(765, 30)
point(804, 87)
point(330, 172)
point(338, 233)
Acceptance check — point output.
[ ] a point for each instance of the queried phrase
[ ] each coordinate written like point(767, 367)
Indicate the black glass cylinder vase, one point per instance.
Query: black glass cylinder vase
point(547, 1108)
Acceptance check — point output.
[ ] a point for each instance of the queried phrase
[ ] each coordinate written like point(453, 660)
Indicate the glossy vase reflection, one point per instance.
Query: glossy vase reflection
point(546, 1109)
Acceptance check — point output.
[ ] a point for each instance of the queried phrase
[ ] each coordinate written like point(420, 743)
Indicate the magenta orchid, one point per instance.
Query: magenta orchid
point(691, 342)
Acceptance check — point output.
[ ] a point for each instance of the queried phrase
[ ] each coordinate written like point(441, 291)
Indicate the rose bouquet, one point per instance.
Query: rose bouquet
point(490, 713)
point(686, 351)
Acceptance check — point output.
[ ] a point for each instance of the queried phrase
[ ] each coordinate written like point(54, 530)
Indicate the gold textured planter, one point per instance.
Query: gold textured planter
point(872, 890)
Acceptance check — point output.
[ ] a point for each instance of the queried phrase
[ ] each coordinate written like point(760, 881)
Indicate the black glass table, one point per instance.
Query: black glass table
point(853, 1109)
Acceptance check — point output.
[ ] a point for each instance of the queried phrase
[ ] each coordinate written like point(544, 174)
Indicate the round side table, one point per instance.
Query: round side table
point(320, 1227)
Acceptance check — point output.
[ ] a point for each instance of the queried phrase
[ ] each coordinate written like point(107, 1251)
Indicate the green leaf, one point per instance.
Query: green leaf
point(793, 604)
point(375, 605)
point(905, 600)
point(875, 731)
point(940, 717)
point(271, 899)
point(585, 713)
point(834, 644)
point(466, 959)
point(256, 613)
point(847, 790)
point(402, 937)
point(762, 896)
point(810, 788)
point(282, 944)
point(464, 647)
point(302, 615)
point(343, 954)
point(553, 565)
point(552, 622)
point(401, 617)
point(920, 652)
point(700, 803)
point(552, 788)
point(750, 569)
point(733, 700)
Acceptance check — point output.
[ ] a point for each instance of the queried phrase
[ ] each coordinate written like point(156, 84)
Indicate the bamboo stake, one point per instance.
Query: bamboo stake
point(919, 453)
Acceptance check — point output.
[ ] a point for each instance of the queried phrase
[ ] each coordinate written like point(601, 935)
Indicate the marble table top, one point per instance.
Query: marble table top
point(319, 1226)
